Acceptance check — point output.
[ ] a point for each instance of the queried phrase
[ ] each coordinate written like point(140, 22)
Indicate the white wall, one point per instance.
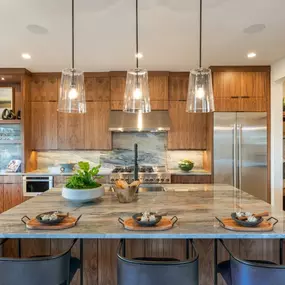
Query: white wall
point(277, 78)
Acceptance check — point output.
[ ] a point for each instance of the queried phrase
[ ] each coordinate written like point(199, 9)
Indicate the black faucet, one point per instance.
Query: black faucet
point(136, 169)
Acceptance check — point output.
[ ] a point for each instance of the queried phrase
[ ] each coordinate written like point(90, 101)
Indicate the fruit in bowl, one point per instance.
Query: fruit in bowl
point(186, 165)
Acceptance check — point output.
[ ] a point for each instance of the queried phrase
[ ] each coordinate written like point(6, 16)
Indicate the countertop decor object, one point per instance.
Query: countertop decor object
point(72, 88)
point(186, 165)
point(232, 225)
point(164, 224)
point(125, 192)
point(138, 218)
point(58, 217)
point(245, 223)
point(82, 186)
point(34, 224)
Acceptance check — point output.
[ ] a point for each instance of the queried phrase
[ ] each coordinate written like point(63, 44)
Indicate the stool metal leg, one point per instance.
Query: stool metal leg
point(215, 262)
point(81, 261)
point(281, 251)
point(19, 248)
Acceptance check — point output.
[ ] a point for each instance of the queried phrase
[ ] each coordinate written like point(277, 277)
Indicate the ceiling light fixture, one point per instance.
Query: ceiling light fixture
point(26, 56)
point(72, 92)
point(200, 97)
point(136, 99)
point(251, 54)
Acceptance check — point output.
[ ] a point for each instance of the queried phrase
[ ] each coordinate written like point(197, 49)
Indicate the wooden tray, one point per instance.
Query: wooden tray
point(164, 224)
point(230, 224)
point(34, 224)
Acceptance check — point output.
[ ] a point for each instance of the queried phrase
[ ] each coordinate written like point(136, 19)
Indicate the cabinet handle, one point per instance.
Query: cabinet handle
point(245, 97)
point(234, 97)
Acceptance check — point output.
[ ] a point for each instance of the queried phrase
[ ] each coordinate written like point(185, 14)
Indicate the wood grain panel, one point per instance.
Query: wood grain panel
point(158, 88)
point(91, 260)
point(227, 104)
point(44, 125)
point(253, 105)
point(188, 130)
point(191, 179)
point(253, 84)
point(159, 105)
point(97, 88)
point(44, 88)
point(13, 195)
point(118, 85)
point(97, 135)
point(208, 154)
point(117, 105)
point(70, 131)
point(107, 261)
point(1, 198)
point(12, 179)
point(35, 247)
point(178, 86)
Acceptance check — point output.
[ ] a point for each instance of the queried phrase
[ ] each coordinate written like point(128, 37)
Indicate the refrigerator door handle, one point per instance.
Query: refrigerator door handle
point(235, 154)
point(239, 155)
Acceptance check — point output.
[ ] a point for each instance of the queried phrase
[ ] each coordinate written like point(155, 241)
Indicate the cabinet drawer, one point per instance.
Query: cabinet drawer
point(191, 179)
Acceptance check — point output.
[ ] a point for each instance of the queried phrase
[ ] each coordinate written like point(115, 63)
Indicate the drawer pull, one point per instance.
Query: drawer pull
point(234, 97)
point(245, 97)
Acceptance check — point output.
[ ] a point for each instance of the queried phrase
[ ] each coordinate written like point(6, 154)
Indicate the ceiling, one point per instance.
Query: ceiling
point(105, 33)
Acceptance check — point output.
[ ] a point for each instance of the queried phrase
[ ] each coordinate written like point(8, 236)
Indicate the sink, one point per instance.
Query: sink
point(151, 188)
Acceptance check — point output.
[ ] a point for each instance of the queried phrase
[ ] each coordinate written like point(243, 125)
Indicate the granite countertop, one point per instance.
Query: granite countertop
point(192, 172)
point(195, 206)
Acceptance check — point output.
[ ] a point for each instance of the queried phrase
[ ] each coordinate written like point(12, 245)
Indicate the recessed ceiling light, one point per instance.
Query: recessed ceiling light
point(139, 55)
point(253, 29)
point(251, 54)
point(2, 78)
point(36, 29)
point(26, 56)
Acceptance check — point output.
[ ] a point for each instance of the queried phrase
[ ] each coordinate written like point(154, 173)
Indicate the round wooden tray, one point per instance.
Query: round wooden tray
point(230, 224)
point(164, 224)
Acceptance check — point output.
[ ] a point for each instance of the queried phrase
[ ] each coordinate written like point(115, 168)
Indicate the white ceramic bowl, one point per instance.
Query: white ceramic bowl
point(77, 195)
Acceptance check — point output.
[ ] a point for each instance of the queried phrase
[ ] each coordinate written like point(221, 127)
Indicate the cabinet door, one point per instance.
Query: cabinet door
point(227, 84)
point(44, 125)
point(250, 104)
point(13, 195)
point(187, 130)
point(178, 86)
point(118, 84)
point(1, 198)
point(227, 104)
point(191, 179)
point(70, 131)
point(254, 84)
point(97, 88)
point(158, 87)
point(44, 88)
point(97, 135)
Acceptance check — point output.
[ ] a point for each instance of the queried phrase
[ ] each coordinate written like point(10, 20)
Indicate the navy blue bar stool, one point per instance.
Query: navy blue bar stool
point(43, 270)
point(157, 271)
point(236, 271)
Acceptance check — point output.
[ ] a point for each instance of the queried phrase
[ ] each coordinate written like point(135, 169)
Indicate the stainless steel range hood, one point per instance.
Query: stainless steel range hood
point(155, 121)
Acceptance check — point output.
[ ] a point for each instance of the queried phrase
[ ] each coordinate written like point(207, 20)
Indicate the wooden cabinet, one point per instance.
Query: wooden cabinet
point(70, 131)
point(191, 179)
point(178, 86)
point(187, 130)
point(1, 198)
point(44, 88)
point(43, 125)
point(97, 88)
point(97, 135)
point(241, 91)
point(118, 85)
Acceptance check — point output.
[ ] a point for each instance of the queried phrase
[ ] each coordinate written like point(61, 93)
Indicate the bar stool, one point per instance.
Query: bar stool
point(44, 270)
point(157, 271)
point(236, 271)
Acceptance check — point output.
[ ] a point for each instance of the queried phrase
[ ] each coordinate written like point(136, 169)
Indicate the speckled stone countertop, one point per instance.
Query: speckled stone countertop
point(195, 206)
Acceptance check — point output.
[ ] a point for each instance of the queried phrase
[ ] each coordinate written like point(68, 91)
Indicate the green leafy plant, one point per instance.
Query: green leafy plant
point(85, 177)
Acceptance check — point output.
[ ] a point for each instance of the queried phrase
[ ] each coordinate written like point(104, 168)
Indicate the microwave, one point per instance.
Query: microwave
point(36, 185)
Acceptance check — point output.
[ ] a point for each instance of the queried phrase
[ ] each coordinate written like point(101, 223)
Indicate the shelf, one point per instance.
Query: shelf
point(10, 142)
point(9, 122)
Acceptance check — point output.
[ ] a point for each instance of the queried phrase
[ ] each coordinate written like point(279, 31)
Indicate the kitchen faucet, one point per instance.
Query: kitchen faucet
point(136, 168)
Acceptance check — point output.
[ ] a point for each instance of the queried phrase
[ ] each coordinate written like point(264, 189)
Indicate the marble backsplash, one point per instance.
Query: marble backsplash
point(152, 148)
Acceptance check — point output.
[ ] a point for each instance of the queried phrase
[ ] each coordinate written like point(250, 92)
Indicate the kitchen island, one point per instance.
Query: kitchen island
point(196, 207)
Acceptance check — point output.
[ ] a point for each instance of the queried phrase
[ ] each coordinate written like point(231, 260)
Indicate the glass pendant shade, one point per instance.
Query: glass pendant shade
point(136, 99)
point(72, 92)
point(200, 91)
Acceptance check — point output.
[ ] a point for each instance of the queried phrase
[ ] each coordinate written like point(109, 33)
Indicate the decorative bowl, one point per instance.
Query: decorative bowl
point(186, 165)
point(82, 195)
point(50, 222)
point(137, 217)
point(246, 223)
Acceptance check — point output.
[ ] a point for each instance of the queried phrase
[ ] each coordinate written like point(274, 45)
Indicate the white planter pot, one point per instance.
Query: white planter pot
point(77, 195)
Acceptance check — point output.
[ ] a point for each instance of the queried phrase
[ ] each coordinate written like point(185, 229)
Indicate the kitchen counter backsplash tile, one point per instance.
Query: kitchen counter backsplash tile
point(152, 151)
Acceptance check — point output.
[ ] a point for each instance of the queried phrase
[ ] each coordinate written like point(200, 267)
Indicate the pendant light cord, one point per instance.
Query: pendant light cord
point(72, 16)
point(137, 35)
point(200, 35)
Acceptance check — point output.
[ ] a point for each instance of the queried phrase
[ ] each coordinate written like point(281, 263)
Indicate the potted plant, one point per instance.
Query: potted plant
point(83, 185)
point(186, 165)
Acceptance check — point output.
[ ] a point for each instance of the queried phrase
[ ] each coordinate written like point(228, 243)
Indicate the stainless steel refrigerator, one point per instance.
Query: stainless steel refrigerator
point(240, 151)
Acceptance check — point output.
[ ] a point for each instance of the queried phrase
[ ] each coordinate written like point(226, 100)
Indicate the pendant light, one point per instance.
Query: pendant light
point(72, 92)
point(200, 91)
point(136, 98)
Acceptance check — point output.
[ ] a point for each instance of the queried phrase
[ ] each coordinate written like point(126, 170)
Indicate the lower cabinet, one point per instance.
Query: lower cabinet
point(191, 179)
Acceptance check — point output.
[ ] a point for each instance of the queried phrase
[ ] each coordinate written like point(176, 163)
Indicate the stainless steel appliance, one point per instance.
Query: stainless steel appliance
point(146, 174)
point(35, 185)
point(240, 151)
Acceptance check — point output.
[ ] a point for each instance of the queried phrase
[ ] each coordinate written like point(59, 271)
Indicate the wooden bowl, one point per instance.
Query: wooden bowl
point(246, 223)
point(53, 222)
point(146, 223)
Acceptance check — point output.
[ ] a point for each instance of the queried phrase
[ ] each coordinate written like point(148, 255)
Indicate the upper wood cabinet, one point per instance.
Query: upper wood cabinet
point(158, 86)
point(44, 88)
point(97, 135)
point(98, 88)
point(187, 130)
point(178, 86)
point(43, 125)
point(254, 84)
point(227, 84)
